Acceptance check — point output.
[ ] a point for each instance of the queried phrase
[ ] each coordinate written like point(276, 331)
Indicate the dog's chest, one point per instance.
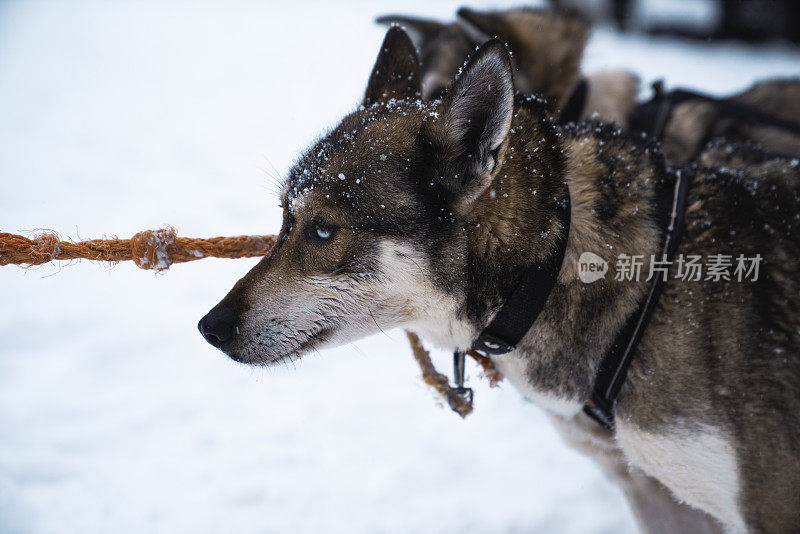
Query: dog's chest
point(514, 368)
point(698, 465)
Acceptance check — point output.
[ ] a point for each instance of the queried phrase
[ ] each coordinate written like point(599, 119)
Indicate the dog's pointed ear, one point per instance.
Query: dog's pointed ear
point(396, 71)
point(480, 26)
point(466, 142)
point(420, 30)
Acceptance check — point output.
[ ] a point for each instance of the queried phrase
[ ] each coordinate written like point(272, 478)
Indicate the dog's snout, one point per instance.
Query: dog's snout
point(218, 326)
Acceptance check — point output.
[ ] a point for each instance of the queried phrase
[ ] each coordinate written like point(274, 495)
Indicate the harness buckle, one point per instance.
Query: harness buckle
point(599, 409)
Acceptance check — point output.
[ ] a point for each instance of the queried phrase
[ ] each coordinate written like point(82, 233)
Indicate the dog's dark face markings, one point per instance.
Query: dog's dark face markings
point(393, 176)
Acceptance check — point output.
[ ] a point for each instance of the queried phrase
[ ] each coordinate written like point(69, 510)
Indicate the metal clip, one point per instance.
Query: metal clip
point(459, 395)
point(489, 344)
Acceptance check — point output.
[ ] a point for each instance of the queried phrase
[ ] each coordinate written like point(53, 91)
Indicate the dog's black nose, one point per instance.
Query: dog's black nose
point(218, 326)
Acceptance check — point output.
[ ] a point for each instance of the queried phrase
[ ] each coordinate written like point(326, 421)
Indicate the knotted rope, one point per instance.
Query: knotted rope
point(158, 249)
point(151, 249)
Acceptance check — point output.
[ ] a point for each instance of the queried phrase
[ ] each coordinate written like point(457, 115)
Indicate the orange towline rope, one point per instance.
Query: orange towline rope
point(151, 249)
point(158, 249)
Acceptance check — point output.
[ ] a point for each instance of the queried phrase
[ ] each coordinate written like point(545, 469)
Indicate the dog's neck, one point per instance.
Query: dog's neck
point(612, 181)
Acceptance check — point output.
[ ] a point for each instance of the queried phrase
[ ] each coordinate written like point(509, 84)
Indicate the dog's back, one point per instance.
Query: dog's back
point(779, 98)
point(695, 122)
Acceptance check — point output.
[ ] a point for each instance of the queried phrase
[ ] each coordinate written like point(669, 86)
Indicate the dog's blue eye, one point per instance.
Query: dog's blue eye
point(320, 232)
point(323, 232)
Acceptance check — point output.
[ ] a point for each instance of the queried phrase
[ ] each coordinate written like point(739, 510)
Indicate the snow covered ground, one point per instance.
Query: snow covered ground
point(115, 415)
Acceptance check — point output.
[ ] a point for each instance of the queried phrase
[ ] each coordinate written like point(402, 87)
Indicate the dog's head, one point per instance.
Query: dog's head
point(373, 234)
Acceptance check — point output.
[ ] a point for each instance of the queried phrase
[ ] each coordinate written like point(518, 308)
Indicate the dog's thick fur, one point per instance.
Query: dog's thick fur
point(423, 215)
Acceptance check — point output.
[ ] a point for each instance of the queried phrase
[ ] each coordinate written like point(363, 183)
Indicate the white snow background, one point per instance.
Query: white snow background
point(115, 415)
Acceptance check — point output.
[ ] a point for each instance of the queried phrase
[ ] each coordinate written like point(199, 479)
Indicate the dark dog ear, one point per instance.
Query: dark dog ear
point(573, 109)
point(547, 45)
point(465, 143)
point(481, 26)
point(420, 30)
point(396, 71)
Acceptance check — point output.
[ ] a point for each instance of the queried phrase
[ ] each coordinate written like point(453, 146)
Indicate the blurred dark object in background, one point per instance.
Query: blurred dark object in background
point(760, 20)
point(746, 20)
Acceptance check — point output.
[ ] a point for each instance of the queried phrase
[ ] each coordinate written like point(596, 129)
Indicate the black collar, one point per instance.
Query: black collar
point(520, 310)
point(528, 299)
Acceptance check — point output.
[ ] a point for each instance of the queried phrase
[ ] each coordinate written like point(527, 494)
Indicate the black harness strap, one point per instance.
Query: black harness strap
point(525, 304)
point(614, 367)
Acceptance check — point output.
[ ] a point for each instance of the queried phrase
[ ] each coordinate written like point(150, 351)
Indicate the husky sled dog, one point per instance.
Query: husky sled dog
point(424, 215)
point(767, 114)
point(548, 45)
